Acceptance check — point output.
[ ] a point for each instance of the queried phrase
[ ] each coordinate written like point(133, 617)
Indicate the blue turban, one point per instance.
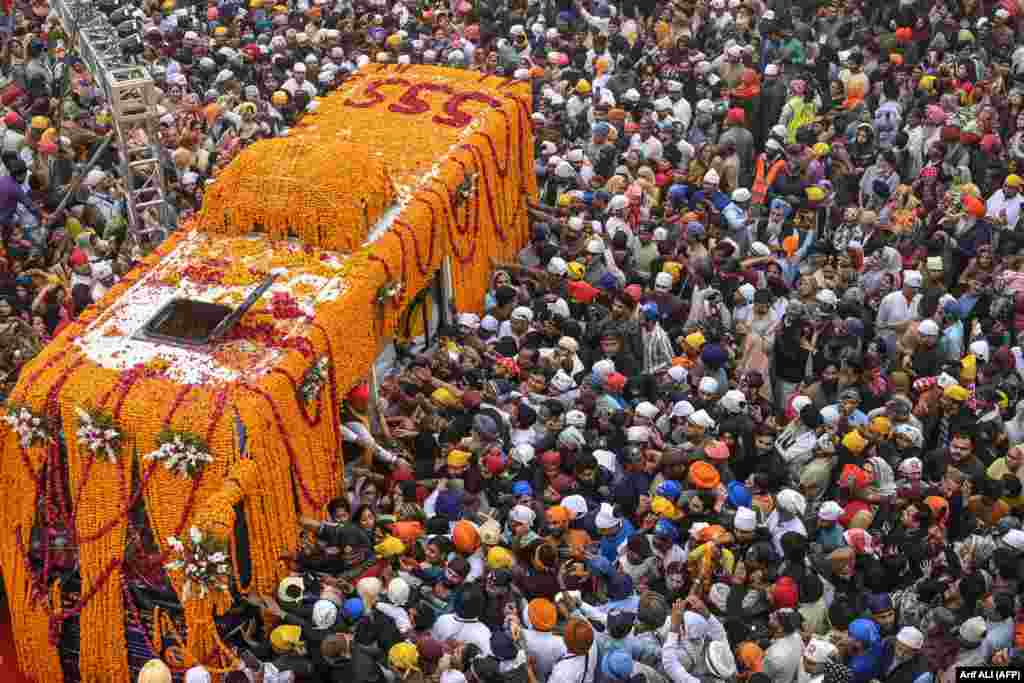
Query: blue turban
point(352, 609)
point(738, 495)
point(522, 488)
point(677, 194)
point(781, 204)
point(714, 355)
point(866, 631)
point(670, 489)
point(666, 529)
point(608, 281)
point(650, 311)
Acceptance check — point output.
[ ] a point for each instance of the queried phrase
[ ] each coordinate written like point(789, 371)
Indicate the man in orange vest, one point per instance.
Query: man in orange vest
point(770, 164)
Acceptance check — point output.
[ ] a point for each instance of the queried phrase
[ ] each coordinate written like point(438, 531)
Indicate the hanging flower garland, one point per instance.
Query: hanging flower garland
point(31, 429)
point(184, 453)
point(314, 380)
point(99, 433)
point(203, 561)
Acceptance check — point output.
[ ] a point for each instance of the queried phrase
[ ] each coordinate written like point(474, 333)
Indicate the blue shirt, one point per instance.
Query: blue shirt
point(610, 544)
point(871, 664)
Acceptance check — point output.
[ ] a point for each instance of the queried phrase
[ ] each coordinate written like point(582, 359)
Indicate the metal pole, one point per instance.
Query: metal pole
point(75, 184)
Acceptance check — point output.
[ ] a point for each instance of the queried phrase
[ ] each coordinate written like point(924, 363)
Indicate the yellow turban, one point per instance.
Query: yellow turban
point(727, 558)
point(73, 227)
point(696, 340)
point(445, 397)
point(957, 393)
point(673, 268)
point(403, 656)
point(815, 193)
point(854, 442)
point(565, 199)
point(40, 122)
point(499, 558)
point(458, 458)
point(927, 83)
point(663, 507)
point(880, 425)
point(389, 547)
point(576, 270)
point(1013, 180)
point(394, 40)
point(969, 367)
point(821, 149)
point(284, 638)
point(155, 671)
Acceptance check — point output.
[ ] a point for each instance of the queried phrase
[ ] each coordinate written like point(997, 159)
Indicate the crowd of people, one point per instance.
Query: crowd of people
point(747, 407)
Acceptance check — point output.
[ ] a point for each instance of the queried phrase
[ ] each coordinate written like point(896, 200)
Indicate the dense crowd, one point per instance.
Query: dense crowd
point(746, 407)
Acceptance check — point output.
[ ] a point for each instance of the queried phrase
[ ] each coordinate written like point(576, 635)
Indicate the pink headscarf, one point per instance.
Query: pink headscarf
point(936, 115)
point(860, 541)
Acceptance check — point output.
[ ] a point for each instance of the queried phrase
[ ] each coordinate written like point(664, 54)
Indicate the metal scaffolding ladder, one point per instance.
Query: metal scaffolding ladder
point(133, 100)
point(132, 97)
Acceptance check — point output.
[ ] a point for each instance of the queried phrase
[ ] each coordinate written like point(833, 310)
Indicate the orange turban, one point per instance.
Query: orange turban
point(466, 537)
point(703, 475)
point(974, 206)
point(542, 613)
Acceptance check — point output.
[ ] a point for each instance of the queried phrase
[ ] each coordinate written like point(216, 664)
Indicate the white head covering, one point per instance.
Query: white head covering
point(325, 613)
point(576, 505)
point(682, 409)
point(522, 313)
point(792, 502)
point(702, 419)
point(830, 511)
point(638, 434)
point(910, 637)
point(678, 373)
point(606, 518)
point(747, 291)
point(646, 409)
point(708, 384)
point(522, 515)
point(197, 674)
point(576, 418)
point(523, 454)
point(830, 414)
point(980, 349)
point(734, 401)
point(398, 591)
point(745, 519)
point(603, 368)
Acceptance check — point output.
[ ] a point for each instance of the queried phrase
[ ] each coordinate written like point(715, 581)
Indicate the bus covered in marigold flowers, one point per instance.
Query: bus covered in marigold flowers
point(193, 412)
